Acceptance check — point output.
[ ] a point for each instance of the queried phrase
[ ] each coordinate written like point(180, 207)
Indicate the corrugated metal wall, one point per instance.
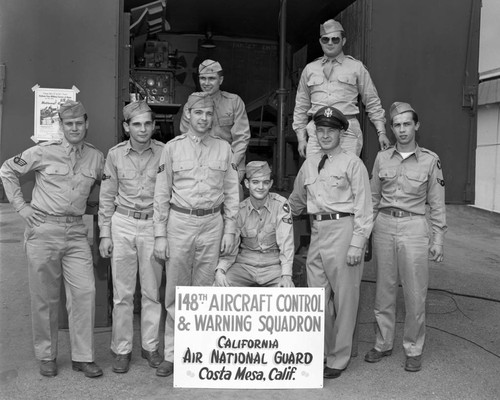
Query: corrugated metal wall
point(425, 53)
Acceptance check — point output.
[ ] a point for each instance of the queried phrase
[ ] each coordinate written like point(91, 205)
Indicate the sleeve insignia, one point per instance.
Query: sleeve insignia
point(440, 181)
point(19, 161)
point(287, 220)
point(286, 207)
point(161, 168)
point(104, 177)
point(439, 164)
point(234, 166)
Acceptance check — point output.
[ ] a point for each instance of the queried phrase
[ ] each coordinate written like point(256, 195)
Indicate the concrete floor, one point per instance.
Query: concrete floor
point(461, 358)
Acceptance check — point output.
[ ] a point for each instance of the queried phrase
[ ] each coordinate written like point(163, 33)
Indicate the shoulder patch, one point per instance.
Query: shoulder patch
point(286, 207)
point(161, 168)
point(287, 220)
point(440, 181)
point(438, 164)
point(19, 161)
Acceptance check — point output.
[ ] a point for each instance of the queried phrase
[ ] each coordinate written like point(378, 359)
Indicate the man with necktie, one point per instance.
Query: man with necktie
point(333, 187)
point(336, 80)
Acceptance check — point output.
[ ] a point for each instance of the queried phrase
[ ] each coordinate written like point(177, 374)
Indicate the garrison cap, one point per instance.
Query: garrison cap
point(257, 168)
point(71, 109)
point(399, 108)
point(330, 26)
point(135, 108)
point(209, 67)
point(331, 117)
point(199, 100)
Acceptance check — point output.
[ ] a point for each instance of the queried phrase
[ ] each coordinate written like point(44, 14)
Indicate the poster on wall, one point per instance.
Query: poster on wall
point(249, 338)
point(47, 103)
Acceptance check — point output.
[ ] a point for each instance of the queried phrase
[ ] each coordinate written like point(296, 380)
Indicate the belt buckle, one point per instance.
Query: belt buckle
point(318, 217)
point(397, 213)
point(137, 215)
point(335, 216)
point(199, 213)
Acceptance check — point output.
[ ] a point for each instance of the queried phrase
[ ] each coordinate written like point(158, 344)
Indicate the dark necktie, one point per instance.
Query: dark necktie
point(322, 162)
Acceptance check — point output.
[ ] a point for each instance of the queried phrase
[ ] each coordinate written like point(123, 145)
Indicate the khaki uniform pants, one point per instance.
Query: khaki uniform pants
point(133, 248)
point(59, 251)
point(327, 267)
point(401, 247)
point(194, 245)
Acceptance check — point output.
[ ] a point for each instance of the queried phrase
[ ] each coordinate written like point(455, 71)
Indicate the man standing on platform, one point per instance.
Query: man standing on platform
point(126, 230)
point(404, 179)
point(336, 80)
point(56, 238)
point(195, 208)
point(333, 187)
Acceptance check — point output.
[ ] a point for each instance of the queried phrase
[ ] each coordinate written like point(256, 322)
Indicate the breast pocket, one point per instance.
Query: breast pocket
point(88, 177)
point(415, 182)
point(216, 171)
point(315, 83)
point(348, 83)
point(249, 238)
point(268, 235)
point(183, 173)
point(338, 182)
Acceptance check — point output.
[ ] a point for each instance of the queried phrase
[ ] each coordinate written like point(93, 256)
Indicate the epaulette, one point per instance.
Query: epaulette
point(180, 137)
point(391, 147)
point(121, 144)
point(49, 142)
point(157, 142)
point(277, 197)
point(429, 152)
point(228, 95)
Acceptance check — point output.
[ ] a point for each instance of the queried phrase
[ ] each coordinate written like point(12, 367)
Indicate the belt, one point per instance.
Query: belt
point(197, 212)
point(395, 212)
point(326, 217)
point(133, 213)
point(353, 116)
point(63, 218)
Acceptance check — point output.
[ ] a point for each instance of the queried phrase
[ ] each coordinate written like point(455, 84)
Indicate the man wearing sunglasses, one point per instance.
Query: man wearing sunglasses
point(336, 80)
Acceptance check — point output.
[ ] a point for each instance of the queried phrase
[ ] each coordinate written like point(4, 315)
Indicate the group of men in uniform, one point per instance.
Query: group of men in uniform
point(179, 204)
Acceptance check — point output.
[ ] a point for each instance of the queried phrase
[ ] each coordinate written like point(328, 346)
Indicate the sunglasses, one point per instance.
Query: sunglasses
point(326, 39)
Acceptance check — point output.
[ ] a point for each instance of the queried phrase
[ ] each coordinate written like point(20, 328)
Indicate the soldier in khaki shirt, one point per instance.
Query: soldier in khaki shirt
point(404, 179)
point(56, 238)
point(126, 230)
point(196, 181)
point(230, 121)
point(336, 80)
point(264, 252)
point(334, 189)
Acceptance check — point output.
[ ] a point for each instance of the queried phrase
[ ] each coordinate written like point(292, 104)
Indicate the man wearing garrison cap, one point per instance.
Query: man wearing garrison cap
point(333, 187)
point(404, 178)
point(56, 237)
point(336, 80)
point(230, 121)
point(265, 249)
point(195, 206)
point(126, 231)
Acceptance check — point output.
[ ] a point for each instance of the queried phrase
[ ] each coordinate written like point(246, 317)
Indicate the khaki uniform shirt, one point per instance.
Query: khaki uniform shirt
point(408, 184)
point(348, 79)
point(128, 181)
point(263, 231)
point(341, 186)
point(64, 176)
point(230, 123)
point(196, 173)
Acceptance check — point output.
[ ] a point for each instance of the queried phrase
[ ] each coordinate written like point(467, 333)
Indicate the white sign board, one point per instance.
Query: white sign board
point(249, 338)
point(47, 103)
